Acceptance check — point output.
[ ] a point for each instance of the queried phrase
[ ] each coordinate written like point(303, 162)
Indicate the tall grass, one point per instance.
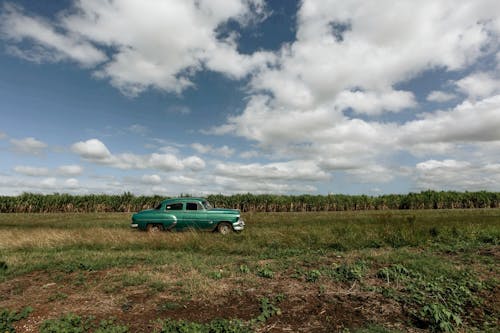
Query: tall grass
point(42, 241)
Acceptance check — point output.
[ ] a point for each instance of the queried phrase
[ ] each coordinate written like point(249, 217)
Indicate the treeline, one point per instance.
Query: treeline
point(127, 202)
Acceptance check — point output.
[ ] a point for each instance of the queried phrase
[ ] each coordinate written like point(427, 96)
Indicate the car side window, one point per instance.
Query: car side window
point(175, 206)
point(193, 206)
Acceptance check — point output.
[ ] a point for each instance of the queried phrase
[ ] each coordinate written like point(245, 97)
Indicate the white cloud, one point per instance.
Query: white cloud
point(31, 171)
point(374, 103)
point(202, 149)
point(28, 145)
point(165, 162)
point(372, 174)
point(70, 170)
point(72, 183)
point(223, 151)
point(293, 170)
point(48, 183)
point(451, 174)
point(249, 154)
point(467, 122)
point(2, 135)
point(479, 85)
point(236, 185)
point(169, 150)
point(194, 163)
point(50, 45)
point(440, 96)
point(92, 149)
point(95, 151)
point(151, 179)
point(183, 180)
point(297, 109)
point(158, 44)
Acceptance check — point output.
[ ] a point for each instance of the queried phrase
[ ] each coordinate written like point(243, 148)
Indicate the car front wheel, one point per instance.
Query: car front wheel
point(153, 228)
point(224, 228)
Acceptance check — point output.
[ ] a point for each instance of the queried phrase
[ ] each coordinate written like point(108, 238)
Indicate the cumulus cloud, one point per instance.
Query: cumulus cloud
point(374, 103)
point(457, 175)
point(479, 85)
point(249, 154)
point(28, 145)
point(70, 170)
point(469, 121)
point(151, 179)
point(92, 149)
point(95, 151)
point(292, 170)
point(140, 56)
point(183, 180)
point(372, 174)
point(49, 44)
point(440, 96)
point(72, 183)
point(31, 171)
point(223, 151)
point(236, 185)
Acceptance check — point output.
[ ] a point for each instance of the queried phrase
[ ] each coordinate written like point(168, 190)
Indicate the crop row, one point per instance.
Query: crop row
point(127, 202)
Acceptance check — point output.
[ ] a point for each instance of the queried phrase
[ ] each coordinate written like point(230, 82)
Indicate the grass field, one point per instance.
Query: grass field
point(367, 271)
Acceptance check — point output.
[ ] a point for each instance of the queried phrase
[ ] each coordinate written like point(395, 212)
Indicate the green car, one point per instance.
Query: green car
point(188, 213)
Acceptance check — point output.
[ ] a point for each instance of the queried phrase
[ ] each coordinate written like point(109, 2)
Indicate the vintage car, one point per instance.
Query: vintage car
point(188, 213)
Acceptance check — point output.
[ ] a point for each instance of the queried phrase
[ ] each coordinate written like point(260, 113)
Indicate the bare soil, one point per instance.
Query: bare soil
point(306, 307)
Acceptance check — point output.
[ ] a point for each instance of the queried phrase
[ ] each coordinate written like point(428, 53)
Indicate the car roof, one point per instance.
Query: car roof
point(183, 199)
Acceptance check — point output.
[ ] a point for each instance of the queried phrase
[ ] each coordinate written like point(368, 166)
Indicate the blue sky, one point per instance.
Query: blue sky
point(169, 97)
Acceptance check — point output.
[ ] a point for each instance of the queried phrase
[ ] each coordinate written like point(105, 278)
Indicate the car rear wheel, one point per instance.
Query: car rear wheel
point(154, 228)
point(224, 228)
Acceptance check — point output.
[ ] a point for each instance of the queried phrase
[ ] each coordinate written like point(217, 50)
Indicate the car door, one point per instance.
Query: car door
point(196, 215)
point(175, 210)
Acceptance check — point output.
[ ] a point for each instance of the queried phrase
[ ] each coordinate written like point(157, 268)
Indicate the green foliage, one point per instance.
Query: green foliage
point(110, 326)
point(7, 318)
point(268, 309)
point(348, 272)
point(3, 266)
point(72, 323)
point(69, 323)
point(215, 326)
point(312, 275)
point(440, 317)
point(158, 286)
point(244, 269)
point(127, 202)
point(435, 300)
point(265, 272)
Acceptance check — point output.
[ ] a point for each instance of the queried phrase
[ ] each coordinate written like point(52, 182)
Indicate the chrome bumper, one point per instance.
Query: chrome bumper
point(134, 225)
point(238, 226)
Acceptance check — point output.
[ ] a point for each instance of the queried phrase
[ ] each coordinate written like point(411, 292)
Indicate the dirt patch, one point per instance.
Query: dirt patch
point(326, 306)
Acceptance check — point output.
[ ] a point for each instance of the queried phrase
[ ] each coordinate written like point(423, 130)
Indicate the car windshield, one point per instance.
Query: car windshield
point(159, 206)
point(207, 205)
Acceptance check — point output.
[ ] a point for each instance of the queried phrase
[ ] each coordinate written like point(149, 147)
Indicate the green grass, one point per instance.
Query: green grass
point(428, 261)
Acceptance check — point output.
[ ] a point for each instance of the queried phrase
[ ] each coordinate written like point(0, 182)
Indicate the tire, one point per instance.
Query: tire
point(224, 228)
point(154, 228)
